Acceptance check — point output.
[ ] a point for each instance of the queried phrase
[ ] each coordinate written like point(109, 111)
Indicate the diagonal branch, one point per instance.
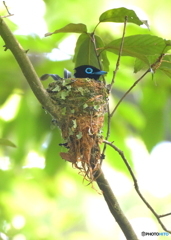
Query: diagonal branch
point(151, 69)
point(137, 187)
point(26, 67)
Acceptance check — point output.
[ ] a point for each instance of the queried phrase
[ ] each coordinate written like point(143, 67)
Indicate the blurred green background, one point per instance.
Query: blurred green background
point(41, 196)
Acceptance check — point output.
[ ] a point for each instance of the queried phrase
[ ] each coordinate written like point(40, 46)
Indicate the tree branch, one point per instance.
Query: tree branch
point(27, 68)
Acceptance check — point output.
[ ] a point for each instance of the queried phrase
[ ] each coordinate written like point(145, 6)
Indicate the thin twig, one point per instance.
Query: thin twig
point(97, 55)
point(95, 49)
point(164, 215)
point(120, 53)
point(9, 14)
point(152, 69)
point(135, 83)
point(137, 187)
point(112, 82)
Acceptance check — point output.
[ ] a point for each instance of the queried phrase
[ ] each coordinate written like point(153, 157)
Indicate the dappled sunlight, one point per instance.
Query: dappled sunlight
point(9, 109)
point(32, 12)
point(162, 20)
point(65, 49)
point(159, 168)
point(67, 186)
point(98, 219)
point(3, 236)
point(140, 158)
point(18, 221)
point(68, 44)
point(19, 237)
point(5, 163)
point(119, 182)
point(57, 55)
point(34, 160)
point(152, 170)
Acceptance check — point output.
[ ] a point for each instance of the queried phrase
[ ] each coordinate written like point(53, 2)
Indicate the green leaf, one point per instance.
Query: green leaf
point(166, 65)
point(63, 94)
point(102, 54)
point(85, 53)
point(139, 64)
point(74, 123)
point(6, 142)
point(166, 70)
point(79, 135)
point(119, 14)
point(71, 27)
point(139, 46)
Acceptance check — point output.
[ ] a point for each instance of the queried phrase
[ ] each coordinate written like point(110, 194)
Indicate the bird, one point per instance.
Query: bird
point(67, 74)
point(88, 71)
point(83, 71)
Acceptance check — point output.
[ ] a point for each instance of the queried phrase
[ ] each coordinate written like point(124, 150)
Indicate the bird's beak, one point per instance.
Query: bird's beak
point(99, 73)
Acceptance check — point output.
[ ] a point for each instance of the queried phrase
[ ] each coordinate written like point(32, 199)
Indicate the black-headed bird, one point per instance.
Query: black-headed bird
point(87, 71)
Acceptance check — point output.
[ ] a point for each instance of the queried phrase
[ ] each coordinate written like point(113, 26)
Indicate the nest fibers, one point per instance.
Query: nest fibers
point(80, 106)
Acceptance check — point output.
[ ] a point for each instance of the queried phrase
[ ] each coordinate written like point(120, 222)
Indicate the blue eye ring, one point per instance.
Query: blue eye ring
point(88, 70)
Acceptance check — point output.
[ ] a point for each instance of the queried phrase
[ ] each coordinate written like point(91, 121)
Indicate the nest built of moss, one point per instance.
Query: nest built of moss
point(80, 107)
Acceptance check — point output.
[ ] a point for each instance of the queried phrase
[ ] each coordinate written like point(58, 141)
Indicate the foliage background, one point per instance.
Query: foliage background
point(41, 196)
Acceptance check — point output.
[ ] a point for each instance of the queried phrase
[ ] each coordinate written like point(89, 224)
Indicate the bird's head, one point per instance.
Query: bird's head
point(87, 71)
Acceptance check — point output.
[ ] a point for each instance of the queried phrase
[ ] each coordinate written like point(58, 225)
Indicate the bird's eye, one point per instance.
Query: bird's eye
point(88, 70)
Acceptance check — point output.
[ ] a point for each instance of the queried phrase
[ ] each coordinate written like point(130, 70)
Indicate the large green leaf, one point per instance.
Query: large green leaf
point(119, 14)
point(70, 28)
point(85, 51)
point(139, 46)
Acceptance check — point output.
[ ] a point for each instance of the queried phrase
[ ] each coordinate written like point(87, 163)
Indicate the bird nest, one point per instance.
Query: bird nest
point(80, 106)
